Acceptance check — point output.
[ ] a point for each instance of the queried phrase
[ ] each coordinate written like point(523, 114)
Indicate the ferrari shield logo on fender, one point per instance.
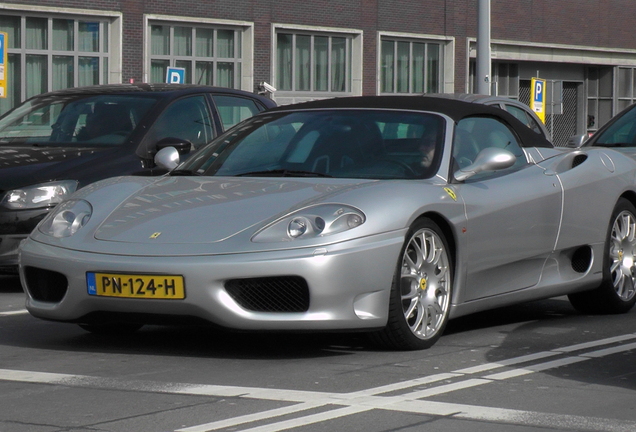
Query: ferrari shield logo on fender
point(155, 235)
point(451, 193)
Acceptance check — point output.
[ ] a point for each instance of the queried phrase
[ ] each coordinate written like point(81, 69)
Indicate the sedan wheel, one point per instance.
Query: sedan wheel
point(617, 293)
point(421, 291)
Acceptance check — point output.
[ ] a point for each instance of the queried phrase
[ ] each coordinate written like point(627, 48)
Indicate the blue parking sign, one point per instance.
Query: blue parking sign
point(537, 101)
point(2, 45)
point(175, 75)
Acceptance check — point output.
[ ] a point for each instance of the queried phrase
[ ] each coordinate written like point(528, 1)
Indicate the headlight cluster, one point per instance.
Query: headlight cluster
point(318, 221)
point(38, 196)
point(67, 218)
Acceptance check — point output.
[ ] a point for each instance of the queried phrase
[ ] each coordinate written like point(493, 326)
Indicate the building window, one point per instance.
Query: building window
point(313, 62)
point(599, 84)
point(626, 82)
point(506, 79)
point(210, 55)
point(52, 53)
point(410, 66)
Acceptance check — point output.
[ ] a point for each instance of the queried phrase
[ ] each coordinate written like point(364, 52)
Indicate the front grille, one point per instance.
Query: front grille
point(45, 285)
point(270, 294)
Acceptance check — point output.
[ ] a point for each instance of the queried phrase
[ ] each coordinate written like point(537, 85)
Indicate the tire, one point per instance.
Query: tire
point(421, 290)
point(617, 292)
point(113, 329)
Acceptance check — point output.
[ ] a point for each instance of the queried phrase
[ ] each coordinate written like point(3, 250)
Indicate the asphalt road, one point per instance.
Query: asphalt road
point(540, 366)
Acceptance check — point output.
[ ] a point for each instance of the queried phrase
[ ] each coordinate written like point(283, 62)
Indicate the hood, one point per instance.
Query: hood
point(21, 165)
point(177, 210)
point(24, 166)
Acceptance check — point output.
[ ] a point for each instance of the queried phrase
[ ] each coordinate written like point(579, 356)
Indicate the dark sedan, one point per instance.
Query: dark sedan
point(58, 142)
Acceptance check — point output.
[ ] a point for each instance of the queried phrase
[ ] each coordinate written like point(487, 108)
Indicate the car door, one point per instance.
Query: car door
point(513, 216)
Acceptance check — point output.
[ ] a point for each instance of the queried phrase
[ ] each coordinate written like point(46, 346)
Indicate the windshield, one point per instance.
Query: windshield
point(101, 120)
point(336, 143)
point(621, 133)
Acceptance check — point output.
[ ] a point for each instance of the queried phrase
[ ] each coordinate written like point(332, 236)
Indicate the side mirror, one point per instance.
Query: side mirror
point(577, 141)
point(167, 158)
point(183, 146)
point(489, 159)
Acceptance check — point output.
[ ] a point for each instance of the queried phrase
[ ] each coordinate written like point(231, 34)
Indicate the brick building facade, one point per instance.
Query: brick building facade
point(585, 49)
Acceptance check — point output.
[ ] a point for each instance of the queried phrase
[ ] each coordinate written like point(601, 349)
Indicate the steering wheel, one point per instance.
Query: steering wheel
point(406, 167)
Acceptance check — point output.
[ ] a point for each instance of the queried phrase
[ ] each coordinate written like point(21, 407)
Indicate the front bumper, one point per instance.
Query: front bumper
point(15, 226)
point(348, 283)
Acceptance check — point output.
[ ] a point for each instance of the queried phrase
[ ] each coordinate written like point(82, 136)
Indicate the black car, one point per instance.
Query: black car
point(58, 142)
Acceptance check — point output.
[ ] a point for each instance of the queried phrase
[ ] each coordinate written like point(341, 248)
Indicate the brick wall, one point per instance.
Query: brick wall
point(598, 23)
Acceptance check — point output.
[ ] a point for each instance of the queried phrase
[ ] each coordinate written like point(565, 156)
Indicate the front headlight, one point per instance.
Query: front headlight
point(67, 218)
point(319, 221)
point(38, 196)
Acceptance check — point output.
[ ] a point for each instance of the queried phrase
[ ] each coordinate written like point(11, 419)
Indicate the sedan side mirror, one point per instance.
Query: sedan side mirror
point(183, 146)
point(167, 158)
point(489, 159)
point(577, 141)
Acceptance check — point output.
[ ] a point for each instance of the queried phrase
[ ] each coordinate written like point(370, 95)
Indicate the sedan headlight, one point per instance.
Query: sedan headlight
point(38, 196)
point(67, 218)
point(318, 221)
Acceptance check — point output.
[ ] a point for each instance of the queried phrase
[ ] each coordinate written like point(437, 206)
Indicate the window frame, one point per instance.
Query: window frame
point(243, 49)
point(108, 53)
point(445, 68)
point(353, 65)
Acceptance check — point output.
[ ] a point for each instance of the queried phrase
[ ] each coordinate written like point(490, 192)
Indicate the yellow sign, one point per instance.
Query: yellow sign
point(537, 98)
point(4, 64)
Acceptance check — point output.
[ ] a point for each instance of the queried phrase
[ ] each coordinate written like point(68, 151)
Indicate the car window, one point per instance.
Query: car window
point(473, 134)
point(233, 110)
point(524, 117)
point(186, 119)
point(620, 133)
point(96, 120)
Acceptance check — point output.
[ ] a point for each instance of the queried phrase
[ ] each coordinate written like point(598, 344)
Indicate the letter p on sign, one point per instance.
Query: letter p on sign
point(175, 75)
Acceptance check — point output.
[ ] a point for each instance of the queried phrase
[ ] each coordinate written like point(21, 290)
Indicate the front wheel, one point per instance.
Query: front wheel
point(617, 292)
point(421, 291)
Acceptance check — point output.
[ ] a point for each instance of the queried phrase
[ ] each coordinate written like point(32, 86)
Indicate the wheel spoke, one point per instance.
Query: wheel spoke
point(412, 307)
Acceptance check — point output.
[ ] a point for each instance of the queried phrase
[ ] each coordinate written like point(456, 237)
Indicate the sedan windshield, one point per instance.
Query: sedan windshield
point(96, 120)
point(332, 143)
point(621, 133)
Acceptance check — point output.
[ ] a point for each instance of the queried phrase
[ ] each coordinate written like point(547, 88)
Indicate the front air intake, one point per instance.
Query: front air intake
point(578, 160)
point(270, 294)
point(45, 285)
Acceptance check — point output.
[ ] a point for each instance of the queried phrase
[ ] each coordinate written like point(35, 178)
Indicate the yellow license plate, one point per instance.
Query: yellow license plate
point(135, 285)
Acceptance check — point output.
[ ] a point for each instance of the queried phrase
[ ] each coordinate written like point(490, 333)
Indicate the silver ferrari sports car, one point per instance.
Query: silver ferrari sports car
point(390, 215)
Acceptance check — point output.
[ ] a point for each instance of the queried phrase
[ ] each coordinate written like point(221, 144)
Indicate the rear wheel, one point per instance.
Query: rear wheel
point(617, 293)
point(421, 290)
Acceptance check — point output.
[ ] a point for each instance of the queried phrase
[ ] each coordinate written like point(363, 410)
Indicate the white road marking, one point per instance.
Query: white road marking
point(369, 399)
point(15, 312)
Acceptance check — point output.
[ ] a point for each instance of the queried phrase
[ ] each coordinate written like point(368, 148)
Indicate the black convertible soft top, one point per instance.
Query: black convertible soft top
point(453, 108)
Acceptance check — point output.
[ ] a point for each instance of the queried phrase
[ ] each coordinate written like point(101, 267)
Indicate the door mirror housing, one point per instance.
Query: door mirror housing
point(489, 159)
point(167, 158)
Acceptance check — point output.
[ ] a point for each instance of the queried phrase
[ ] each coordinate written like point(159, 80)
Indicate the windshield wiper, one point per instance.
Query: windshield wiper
point(282, 173)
